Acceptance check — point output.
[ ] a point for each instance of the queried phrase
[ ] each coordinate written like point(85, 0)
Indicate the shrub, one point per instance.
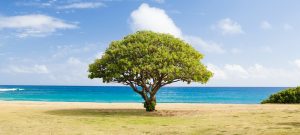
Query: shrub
point(150, 106)
point(287, 96)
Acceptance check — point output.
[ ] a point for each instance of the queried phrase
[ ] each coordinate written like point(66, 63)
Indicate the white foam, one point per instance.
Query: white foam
point(10, 89)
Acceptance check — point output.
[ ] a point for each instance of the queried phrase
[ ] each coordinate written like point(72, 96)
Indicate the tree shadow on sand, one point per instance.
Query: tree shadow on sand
point(294, 124)
point(110, 112)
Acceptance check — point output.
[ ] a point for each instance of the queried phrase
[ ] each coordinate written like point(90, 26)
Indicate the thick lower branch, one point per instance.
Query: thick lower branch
point(135, 88)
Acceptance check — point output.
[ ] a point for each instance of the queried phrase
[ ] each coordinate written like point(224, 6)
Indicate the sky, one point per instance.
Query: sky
point(245, 43)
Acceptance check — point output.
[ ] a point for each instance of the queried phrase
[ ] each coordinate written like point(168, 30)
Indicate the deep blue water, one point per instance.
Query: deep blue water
point(239, 95)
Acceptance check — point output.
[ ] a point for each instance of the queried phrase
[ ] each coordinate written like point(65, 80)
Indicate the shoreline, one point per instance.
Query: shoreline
point(136, 103)
point(160, 106)
point(127, 102)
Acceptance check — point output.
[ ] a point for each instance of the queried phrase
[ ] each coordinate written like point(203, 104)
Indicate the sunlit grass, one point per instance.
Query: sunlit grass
point(36, 119)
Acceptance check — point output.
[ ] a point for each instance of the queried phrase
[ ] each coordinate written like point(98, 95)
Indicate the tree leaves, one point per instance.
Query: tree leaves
point(149, 59)
point(288, 96)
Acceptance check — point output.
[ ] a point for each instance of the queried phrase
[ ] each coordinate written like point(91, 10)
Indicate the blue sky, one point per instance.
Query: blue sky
point(245, 43)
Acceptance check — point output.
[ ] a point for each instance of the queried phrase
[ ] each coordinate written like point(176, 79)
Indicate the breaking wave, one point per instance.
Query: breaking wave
point(10, 89)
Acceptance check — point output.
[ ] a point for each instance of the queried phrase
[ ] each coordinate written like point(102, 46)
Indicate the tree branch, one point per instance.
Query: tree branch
point(169, 82)
point(157, 85)
point(135, 88)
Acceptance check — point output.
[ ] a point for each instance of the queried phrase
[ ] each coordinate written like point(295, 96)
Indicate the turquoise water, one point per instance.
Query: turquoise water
point(237, 95)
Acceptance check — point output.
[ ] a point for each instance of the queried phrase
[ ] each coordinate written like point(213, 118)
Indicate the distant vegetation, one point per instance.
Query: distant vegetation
point(287, 96)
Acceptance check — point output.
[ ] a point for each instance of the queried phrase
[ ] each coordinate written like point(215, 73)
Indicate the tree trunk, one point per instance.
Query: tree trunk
point(150, 104)
point(149, 97)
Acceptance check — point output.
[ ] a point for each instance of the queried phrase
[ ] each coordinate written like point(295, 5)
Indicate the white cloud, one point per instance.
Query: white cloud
point(229, 27)
point(99, 55)
point(37, 3)
point(202, 45)
point(160, 1)
point(287, 27)
point(37, 25)
point(48, 3)
point(236, 69)
point(71, 64)
point(265, 25)
point(65, 65)
point(69, 50)
point(73, 61)
point(254, 75)
point(35, 69)
point(155, 19)
point(259, 71)
point(297, 63)
point(73, 71)
point(217, 71)
point(82, 5)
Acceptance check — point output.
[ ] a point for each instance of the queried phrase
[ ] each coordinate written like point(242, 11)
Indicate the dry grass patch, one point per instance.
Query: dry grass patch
point(38, 118)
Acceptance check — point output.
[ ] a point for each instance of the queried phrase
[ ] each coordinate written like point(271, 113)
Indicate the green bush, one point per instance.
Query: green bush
point(150, 106)
point(287, 96)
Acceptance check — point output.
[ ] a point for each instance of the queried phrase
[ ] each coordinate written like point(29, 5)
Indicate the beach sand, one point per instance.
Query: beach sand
point(68, 118)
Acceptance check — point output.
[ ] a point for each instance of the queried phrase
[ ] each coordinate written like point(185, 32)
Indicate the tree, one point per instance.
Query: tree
point(147, 61)
point(287, 96)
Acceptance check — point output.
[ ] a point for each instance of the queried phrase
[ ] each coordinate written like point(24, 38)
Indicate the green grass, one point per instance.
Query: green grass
point(214, 119)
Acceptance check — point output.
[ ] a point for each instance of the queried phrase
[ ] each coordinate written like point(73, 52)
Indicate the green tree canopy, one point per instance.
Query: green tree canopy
point(147, 61)
point(287, 96)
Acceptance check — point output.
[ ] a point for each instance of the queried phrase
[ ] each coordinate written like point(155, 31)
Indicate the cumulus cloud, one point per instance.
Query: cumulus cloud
point(202, 45)
point(73, 71)
point(155, 19)
point(236, 69)
point(217, 71)
point(229, 27)
point(71, 63)
point(265, 25)
point(36, 25)
point(82, 5)
point(64, 65)
point(254, 75)
point(297, 63)
point(99, 55)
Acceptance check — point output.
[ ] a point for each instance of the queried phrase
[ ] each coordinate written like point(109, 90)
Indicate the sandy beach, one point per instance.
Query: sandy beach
point(63, 118)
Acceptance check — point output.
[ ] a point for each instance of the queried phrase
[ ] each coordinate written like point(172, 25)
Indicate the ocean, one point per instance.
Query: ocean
point(117, 94)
